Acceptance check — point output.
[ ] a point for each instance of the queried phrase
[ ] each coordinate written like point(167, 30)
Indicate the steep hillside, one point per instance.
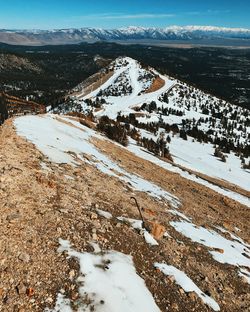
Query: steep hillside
point(10, 63)
point(72, 239)
point(202, 132)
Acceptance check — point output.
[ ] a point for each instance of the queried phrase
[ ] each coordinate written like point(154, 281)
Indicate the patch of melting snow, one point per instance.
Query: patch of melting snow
point(245, 273)
point(104, 214)
point(233, 236)
point(44, 166)
point(68, 177)
point(167, 235)
point(67, 141)
point(187, 284)
point(229, 251)
point(179, 214)
point(137, 225)
point(62, 305)
point(109, 281)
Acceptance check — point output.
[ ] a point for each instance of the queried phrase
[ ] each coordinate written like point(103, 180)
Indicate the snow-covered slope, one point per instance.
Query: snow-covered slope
point(128, 33)
point(194, 123)
point(73, 147)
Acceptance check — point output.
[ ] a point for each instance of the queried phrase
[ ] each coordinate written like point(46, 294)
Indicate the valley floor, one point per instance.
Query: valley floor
point(65, 227)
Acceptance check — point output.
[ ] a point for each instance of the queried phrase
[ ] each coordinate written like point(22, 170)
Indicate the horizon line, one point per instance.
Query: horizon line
point(127, 27)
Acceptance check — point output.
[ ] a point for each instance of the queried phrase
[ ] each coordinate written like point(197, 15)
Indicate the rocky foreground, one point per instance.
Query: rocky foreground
point(201, 263)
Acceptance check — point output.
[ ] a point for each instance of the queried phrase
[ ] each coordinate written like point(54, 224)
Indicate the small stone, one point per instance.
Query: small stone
point(13, 217)
point(24, 257)
point(72, 274)
point(192, 295)
point(21, 289)
point(74, 295)
point(49, 300)
point(97, 224)
point(93, 216)
point(174, 306)
point(63, 210)
point(171, 278)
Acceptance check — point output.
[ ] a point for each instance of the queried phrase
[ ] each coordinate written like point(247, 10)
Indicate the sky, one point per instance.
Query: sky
point(48, 14)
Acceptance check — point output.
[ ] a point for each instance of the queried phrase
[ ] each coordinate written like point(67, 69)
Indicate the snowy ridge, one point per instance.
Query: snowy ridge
point(133, 32)
point(202, 121)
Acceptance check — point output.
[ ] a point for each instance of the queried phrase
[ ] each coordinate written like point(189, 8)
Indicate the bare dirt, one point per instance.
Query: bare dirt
point(157, 84)
point(40, 204)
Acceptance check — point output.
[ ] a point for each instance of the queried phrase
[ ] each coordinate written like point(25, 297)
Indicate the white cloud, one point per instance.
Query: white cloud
point(127, 16)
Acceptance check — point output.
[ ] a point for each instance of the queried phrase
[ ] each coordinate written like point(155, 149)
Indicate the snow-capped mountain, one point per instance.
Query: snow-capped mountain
point(56, 36)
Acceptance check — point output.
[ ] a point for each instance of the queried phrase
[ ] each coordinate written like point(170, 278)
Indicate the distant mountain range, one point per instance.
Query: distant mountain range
point(66, 36)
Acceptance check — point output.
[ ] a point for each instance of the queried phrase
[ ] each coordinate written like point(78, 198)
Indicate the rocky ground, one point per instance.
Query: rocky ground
point(41, 202)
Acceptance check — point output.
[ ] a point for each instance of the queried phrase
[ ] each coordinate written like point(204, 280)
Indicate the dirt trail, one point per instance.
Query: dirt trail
point(41, 202)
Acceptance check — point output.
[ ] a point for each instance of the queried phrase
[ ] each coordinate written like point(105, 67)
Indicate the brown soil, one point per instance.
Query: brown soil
point(39, 206)
point(157, 84)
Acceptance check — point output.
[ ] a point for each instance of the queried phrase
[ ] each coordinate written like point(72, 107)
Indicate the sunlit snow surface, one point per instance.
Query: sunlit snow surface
point(108, 280)
point(200, 157)
point(60, 142)
point(142, 153)
point(187, 284)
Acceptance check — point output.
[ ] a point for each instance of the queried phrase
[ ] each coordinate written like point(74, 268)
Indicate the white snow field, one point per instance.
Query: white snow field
point(109, 280)
point(199, 157)
point(187, 284)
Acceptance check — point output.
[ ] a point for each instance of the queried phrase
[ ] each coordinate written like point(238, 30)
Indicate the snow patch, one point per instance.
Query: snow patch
point(246, 274)
point(110, 282)
point(62, 305)
point(104, 214)
point(226, 251)
point(186, 283)
point(137, 225)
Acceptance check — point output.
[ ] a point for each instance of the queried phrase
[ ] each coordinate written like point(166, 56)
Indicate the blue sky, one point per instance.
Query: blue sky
point(47, 14)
